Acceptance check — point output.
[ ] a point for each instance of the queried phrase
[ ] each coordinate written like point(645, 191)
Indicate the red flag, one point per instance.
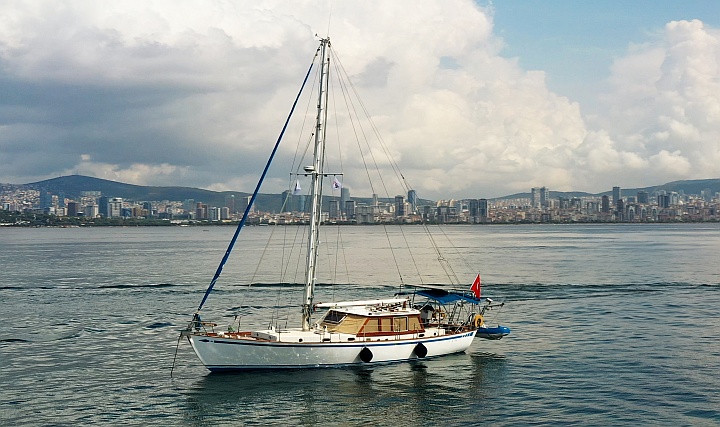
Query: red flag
point(476, 286)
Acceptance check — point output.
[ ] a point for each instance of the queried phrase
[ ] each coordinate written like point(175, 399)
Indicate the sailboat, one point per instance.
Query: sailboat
point(416, 323)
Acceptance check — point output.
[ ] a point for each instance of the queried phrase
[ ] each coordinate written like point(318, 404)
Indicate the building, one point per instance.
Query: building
point(400, 208)
point(540, 197)
point(103, 206)
point(344, 196)
point(350, 207)
point(92, 211)
point(617, 195)
point(244, 202)
point(412, 201)
point(620, 210)
point(544, 197)
point(334, 209)
point(287, 201)
point(299, 202)
point(115, 206)
point(365, 214)
point(605, 204)
point(147, 208)
point(46, 200)
point(201, 211)
point(535, 197)
point(189, 206)
point(230, 203)
point(643, 197)
point(73, 209)
point(477, 210)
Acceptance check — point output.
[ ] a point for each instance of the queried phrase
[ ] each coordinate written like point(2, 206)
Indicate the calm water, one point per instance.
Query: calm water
point(612, 325)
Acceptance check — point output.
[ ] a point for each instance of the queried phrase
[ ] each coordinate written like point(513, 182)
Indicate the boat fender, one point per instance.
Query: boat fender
point(366, 355)
point(478, 321)
point(420, 350)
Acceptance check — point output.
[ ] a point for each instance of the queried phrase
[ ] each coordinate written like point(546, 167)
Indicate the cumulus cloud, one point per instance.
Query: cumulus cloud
point(663, 109)
point(194, 93)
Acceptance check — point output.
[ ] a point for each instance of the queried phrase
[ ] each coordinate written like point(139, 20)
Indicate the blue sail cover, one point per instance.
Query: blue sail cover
point(445, 297)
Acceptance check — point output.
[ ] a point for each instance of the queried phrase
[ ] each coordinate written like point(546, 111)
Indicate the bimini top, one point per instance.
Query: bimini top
point(444, 297)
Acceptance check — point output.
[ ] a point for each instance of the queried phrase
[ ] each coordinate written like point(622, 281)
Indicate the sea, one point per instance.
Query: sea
point(612, 325)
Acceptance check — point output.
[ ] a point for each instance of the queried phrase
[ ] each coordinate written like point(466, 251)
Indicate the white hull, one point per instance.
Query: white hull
point(223, 354)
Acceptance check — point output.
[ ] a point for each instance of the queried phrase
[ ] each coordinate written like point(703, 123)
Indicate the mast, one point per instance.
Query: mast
point(316, 174)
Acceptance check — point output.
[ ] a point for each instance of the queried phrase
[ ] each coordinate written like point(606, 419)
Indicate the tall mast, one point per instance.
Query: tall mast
point(316, 173)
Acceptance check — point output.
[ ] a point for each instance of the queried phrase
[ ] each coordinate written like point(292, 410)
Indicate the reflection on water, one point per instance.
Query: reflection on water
point(416, 393)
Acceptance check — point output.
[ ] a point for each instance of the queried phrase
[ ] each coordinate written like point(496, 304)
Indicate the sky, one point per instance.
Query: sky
point(474, 98)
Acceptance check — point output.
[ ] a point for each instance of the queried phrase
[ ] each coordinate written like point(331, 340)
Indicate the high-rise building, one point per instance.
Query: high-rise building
point(73, 208)
point(104, 206)
point(617, 195)
point(412, 200)
point(663, 200)
point(334, 209)
point(201, 211)
point(605, 204)
point(92, 211)
point(299, 203)
point(643, 197)
point(477, 210)
point(148, 209)
point(46, 200)
point(189, 206)
point(115, 207)
point(350, 207)
point(366, 214)
point(483, 209)
point(535, 197)
point(400, 206)
point(374, 199)
point(544, 197)
point(344, 196)
point(563, 203)
point(473, 207)
point(214, 214)
point(230, 203)
point(224, 213)
point(287, 201)
point(242, 206)
point(706, 195)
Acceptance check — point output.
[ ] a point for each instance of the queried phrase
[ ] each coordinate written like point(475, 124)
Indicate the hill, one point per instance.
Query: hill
point(73, 185)
point(694, 186)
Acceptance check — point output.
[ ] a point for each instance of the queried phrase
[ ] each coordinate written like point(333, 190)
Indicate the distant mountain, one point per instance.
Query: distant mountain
point(73, 185)
point(694, 186)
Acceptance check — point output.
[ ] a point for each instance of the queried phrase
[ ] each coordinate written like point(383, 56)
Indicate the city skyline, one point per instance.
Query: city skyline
point(657, 205)
point(71, 183)
point(469, 96)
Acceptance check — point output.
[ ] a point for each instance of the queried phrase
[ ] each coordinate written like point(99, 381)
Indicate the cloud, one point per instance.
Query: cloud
point(663, 107)
point(195, 92)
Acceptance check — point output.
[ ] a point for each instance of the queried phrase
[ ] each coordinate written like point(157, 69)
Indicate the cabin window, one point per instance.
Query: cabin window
point(333, 317)
point(385, 324)
point(414, 324)
point(400, 324)
point(372, 325)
